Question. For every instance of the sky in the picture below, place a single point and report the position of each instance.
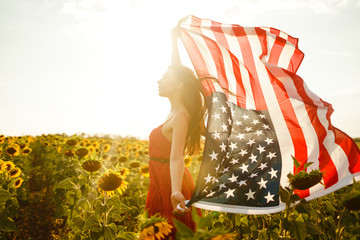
(92, 66)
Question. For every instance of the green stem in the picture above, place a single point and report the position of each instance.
(338, 227)
(105, 214)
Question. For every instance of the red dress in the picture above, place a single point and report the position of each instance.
(158, 198)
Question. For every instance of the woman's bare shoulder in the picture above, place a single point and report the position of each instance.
(181, 117)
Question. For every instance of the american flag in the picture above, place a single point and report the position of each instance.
(260, 114)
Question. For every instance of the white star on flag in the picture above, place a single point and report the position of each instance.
(250, 194)
(273, 173)
(244, 168)
(233, 178)
(213, 156)
(216, 135)
(262, 183)
(216, 115)
(271, 155)
(208, 178)
(230, 192)
(269, 197)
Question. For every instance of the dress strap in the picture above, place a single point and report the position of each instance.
(169, 119)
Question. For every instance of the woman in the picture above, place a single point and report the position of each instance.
(170, 181)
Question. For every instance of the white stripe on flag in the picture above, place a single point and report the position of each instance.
(282, 132)
(234, 48)
(205, 52)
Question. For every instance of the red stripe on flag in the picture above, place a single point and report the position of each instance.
(292, 123)
(350, 148)
(289, 38)
(288, 112)
(295, 61)
(326, 164)
(276, 50)
(240, 90)
(198, 62)
(248, 59)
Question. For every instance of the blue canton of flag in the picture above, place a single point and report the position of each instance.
(241, 161)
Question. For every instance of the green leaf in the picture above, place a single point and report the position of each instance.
(6, 223)
(4, 196)
(110, 231)
(61, 210)
(92, 223)
(284, 195)
(306, 165)
(263, 235)
(66, 184)
(245, 220)
(296, 163)
(78, 222)
(70, 196)
(126, 236)
(313, 229)
(84, 204)
(299, 228)
(202, 222)
(182, 230)
(294, 198)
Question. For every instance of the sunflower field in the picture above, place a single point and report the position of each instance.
(91, 187)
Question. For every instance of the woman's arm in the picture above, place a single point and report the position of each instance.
(175, 57)
(177, 165)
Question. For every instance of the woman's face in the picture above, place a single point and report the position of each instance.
(168, 84)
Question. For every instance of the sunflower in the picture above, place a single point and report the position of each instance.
(162, 229)
(106, 147)
(135, 164)
(22, 145)
(12, 150)
(69, 153)
(95, 145)
(122, 159)
(124, 172)
(118, 149)
(187, 161)
(147, 233)
(58, 149)
(71, 142)
(18, 182)
(157, 230)
(145, 171)
(2, 140)
(91, 165)
(91, 149)
(26, 150)
(82, 152)
(110, 182)
(7, 166)
(113, 158)
(15, 172)
(226, 236)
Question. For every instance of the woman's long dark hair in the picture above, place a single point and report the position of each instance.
(194, 101)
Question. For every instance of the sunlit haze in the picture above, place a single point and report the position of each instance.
(91, 66)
